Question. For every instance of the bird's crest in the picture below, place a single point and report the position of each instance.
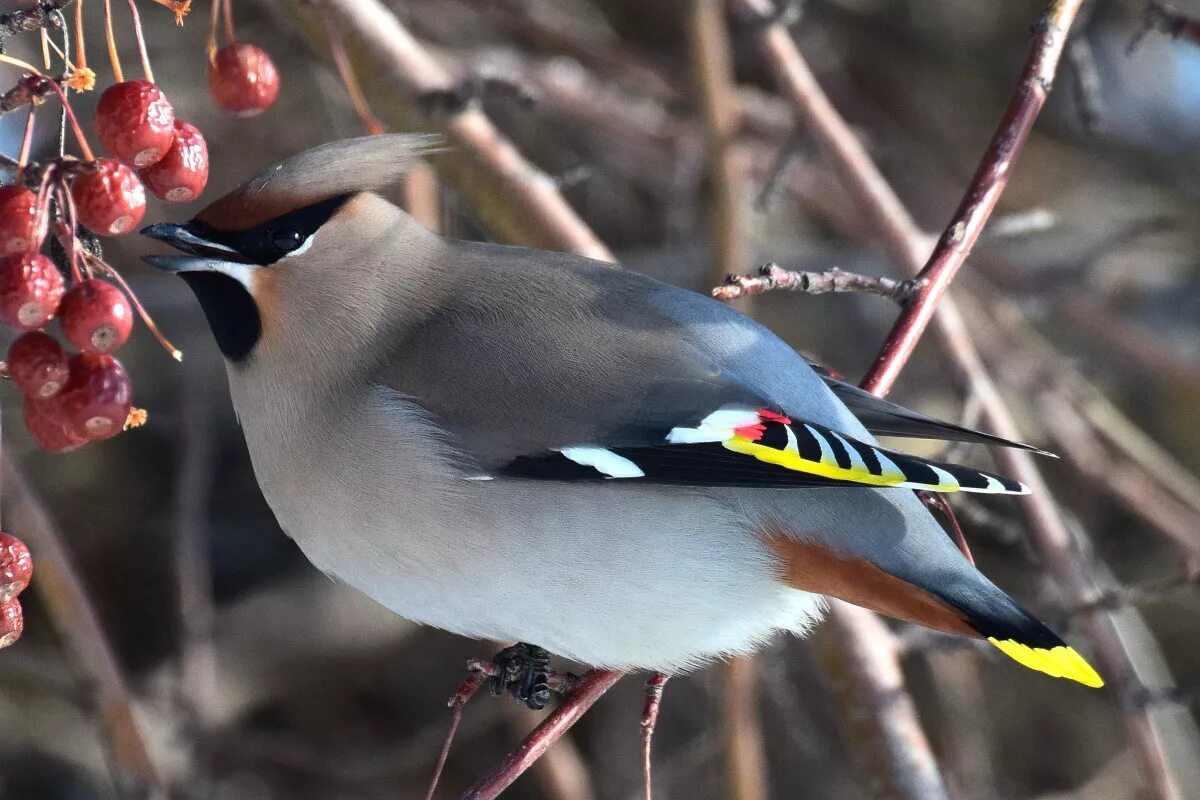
(365, 164)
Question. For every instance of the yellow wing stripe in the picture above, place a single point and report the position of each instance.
(1058, 662)
(790, 459)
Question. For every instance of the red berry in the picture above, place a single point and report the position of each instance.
(242, 79)
(37, 365)
(45, 423)
(19, 220)
(181, 174)
(135, 122)
(96, 316)
(96, 400)
(31, 288)
(12, 622)
(109, 198)
(16, 565)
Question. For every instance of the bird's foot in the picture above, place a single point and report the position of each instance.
(523, 671)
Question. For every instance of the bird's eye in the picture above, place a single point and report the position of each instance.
(286, 239)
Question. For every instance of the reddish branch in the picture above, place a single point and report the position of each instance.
(1050, 37)
(1164, 17)
(30, 89)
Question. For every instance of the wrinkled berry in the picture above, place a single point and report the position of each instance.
(109, 197)
(37, 365)
(12, 622)
(181, 174)
(45, 422)
(96, 316)
(96, 400)
(31, 288)
(242, 79)
(16, 566)
(19, 219)
(135, 122)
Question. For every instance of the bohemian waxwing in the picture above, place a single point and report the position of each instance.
(531, 446)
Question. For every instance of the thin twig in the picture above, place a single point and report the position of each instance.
(654, 695)
(61, 588)
(745, 759)
(589, 689)
(771, 276)
(1165, 18)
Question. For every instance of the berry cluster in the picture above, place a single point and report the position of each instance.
(16, 567)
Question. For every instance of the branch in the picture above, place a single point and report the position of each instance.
(589, 689)
(61, 587)
(518, 201)
(772, 276)
(905, 242)
(1165, 18)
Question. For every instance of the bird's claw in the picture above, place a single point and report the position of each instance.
(523, 670)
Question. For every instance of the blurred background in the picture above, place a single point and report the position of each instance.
(255, 677)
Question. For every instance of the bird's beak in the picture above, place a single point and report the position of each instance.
(204, 255)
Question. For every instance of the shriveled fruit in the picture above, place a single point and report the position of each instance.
(31, 288)
(37, 364)
(96, 316)
(242, 79)
(19, 219)
(12, 622)
(45, 422)
(16, 566)
(182, 173)
(109, 197)
(96, 400)
(135, 121)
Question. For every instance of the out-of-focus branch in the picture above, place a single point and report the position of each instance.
(905, 242)
(519, 202)
(61, 587)
(745, 761)
(1165, 18)
(772, 276)
(712, 65)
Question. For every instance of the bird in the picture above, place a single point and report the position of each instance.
(527, 446)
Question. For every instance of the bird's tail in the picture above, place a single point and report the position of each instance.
(1019, 635)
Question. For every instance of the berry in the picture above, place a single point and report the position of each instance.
(45, 423)
(109, 198)
(19, 220)
(12, 622)
(16, 565)
(96, 316)
(135, 122)
(181, 174)
(242, 79)
(37, 365)
(31, 288)
(96, 400)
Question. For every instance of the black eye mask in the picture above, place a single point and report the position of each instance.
(267, 243)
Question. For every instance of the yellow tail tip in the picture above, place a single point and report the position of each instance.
(1058, 662)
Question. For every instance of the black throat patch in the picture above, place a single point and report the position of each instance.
(231, 311)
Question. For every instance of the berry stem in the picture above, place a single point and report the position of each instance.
(26, 143)
(141, 42)
(80, 48)
(210, 44)
(66, 207)
(345, 70)
(45, 49)
(113, 56)
(83, 144)
(104, 268)
(227, 7)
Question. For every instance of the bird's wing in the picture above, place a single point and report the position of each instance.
(573, 371)
(890, 419)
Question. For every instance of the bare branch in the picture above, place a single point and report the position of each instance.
(772, 276)
(61, 587)
(515, 198)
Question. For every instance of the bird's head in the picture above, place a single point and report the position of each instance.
(300, 250)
